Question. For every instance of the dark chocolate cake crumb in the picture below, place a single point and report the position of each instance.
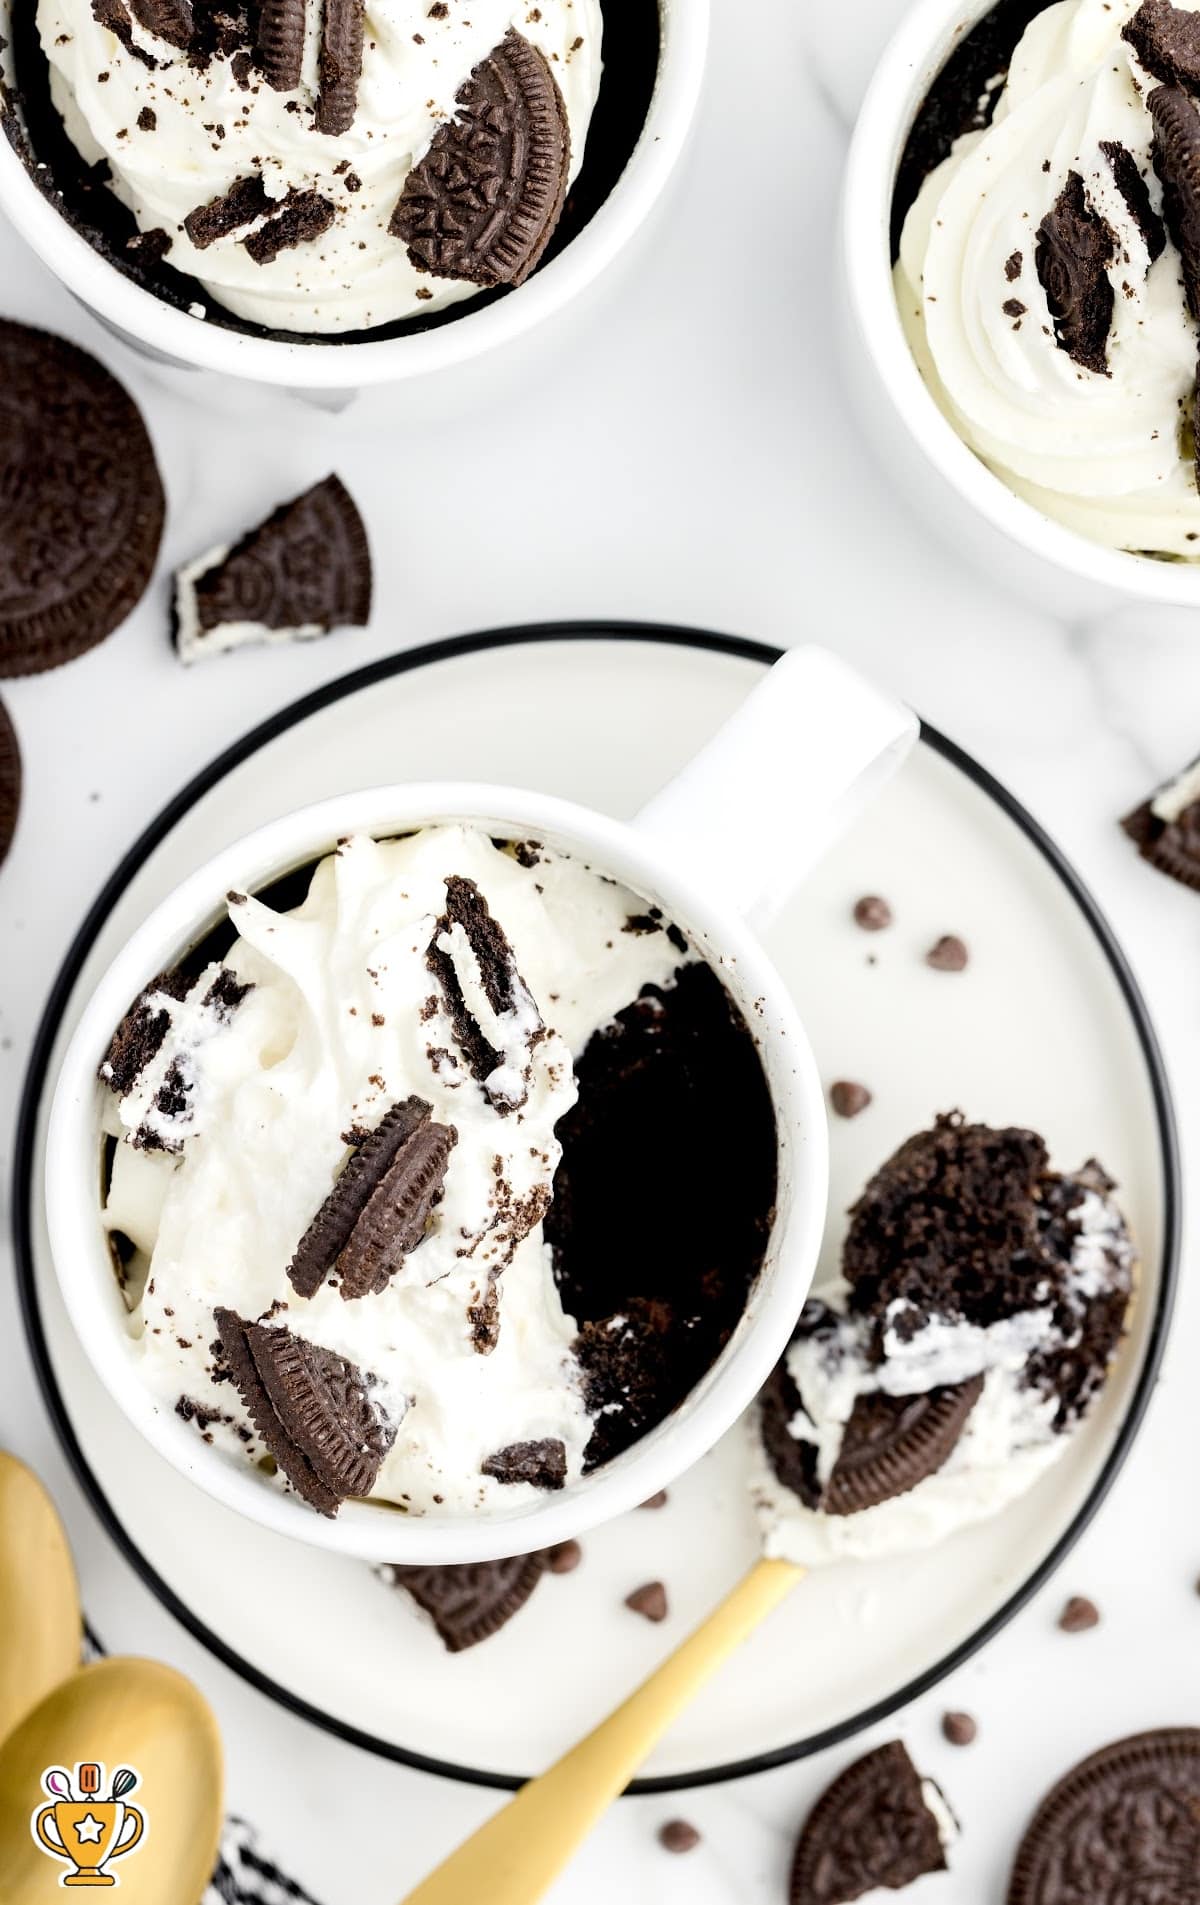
(540, 1464)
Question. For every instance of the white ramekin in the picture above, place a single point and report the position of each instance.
(158, 330)
(973, 508)
(727, 840)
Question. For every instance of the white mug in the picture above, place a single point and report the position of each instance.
(719, 850)
(322, 366)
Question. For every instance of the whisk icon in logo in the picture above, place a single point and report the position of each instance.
(84, 1830)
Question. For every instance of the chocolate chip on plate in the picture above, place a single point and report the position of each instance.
(678, 1835)
(656, 1501)
(960, 1729)
(649, 1601)
(872, 913)
(848, 1098)
(564, 1557)
(948, 954)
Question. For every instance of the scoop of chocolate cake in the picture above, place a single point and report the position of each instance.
(983, 1301)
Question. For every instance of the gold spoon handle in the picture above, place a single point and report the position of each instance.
(519, 1852)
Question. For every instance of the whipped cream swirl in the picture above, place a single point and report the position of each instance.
(177, 135)
(1102, 452)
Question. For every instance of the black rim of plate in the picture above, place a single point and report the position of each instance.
(64, 983)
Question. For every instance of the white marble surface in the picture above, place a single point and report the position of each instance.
(677, 447)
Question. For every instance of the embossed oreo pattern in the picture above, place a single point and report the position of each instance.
(1122, 1829)
(871, 1828)
(81, 497)
(484, 202)
(307, 566)
(471, 1602)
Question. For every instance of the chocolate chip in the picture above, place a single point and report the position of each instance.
(872, 913)
(678, 1836)
(960, 1729)
(1075, 246)
(564, 1557)
(1079, 1615)
(649, 1601)
(848, 1098)
(656, 1501)
(949, 954)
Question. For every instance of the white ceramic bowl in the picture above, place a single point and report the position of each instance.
(847, 739)
(160, 331)
(972, 507)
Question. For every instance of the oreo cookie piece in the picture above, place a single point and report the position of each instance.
(394, 1219)
(1136, 194)
(1166, 828)
(280, 43)
(1074, 248)
(1177, 161)
(139, 1038)
(483, 203)
(873, 1827)
(113, 15)
(1123, 1826)
(468, 928)
(10, 782)
(245, 201)
(316, 1412)
(302, 572)
(170, 20)
(341, 65)
(541, 1464)
(303, 218)
(1166, 40)
(330, 1231)
(83, 502)
(471, 1602)
(888, 1446)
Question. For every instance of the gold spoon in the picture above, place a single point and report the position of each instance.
(522, 1849)
(41, 1628)
(119, 1713)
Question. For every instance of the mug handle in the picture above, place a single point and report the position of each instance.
(42, 1831)
(757, 807)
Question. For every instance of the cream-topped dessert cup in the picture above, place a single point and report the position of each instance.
(719, 851)
(319, 363)
(1053, 564)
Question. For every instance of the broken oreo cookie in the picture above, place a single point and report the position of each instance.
(394, 1219)
(281, 43)
(1123, 1826)
(10, 782)
(331, 1229)
(483, 203)
(315, 1411)
(468, 931)
(1166, 40)
(470, 1602)
(341, 65)
(304, 571)
(873, 1827)
(1166, 828)
(1074, 248)
(83, 502)
(1177, 162)
(540, 1464)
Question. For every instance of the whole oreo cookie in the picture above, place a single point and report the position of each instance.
(1123, 1826)
(83, 502)
(10, 782)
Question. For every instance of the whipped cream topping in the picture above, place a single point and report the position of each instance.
(1010, 1438)
(342, 1019)
(1100, 453)
(176, 136)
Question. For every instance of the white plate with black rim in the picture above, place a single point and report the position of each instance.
(1045, 1027)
